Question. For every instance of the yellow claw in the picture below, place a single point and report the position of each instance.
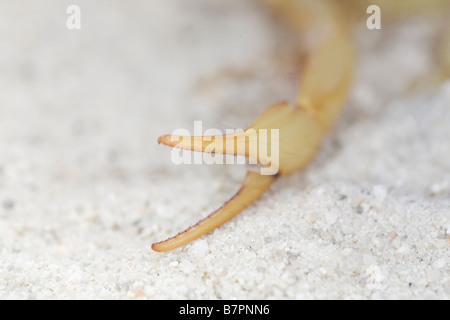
(299, 128)
(299, 137)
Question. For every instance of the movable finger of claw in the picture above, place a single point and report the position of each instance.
(252, 188)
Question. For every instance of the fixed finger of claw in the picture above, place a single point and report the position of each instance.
(235, 143)
(252, 188)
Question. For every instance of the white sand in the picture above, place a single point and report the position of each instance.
(85, 188)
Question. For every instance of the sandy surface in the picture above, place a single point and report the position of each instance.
(85, 188)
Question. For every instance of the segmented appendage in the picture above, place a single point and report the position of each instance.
(324, 86)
